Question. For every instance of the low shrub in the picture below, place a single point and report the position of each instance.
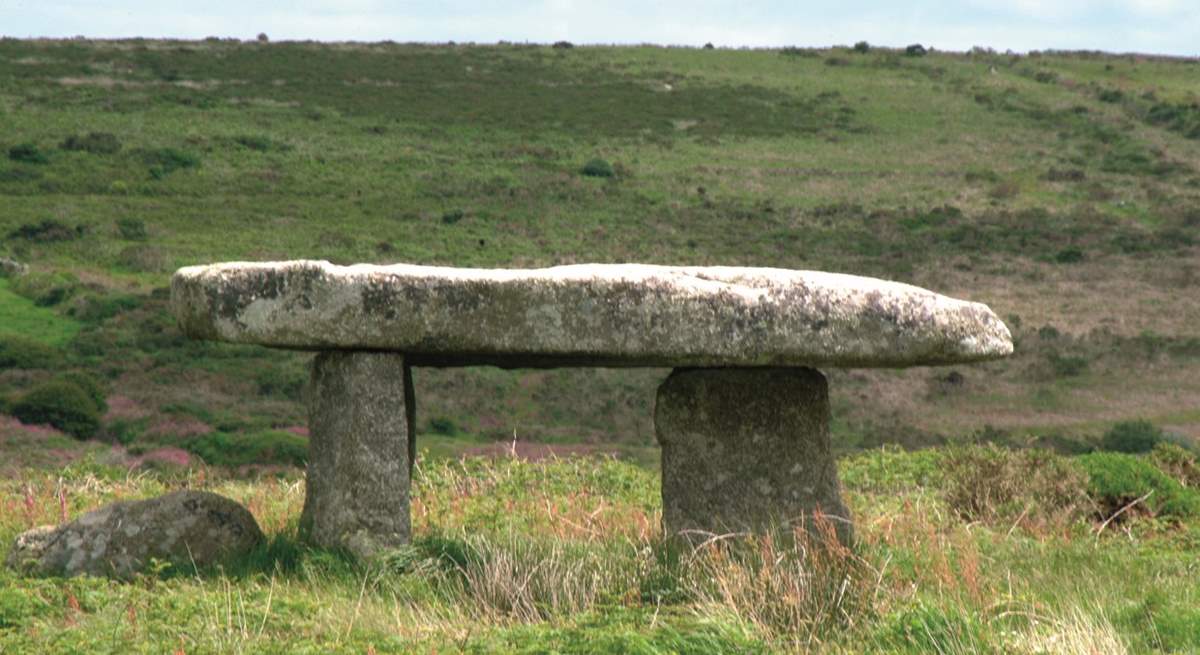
(96, 143)
(1132, 437)
(916, 50)
(1110, 95)
(563, 45)
(46, 231)
(1117, 479)
(453, 216)
(62, 404)
(837, 61)
(27, 153)
(444, 426)
(1177, 462)
(994, 484)
(793, 51)
(22, 352)
(132, 229)
(164, 161)
(862, 47)
(598, 168)
(241, 449)
(46, 289)
(91, 385)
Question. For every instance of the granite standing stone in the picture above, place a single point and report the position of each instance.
(186, 527)
(746, 449)
(360, 435)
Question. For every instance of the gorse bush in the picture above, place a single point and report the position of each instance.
(862, 47)
(90, 385)
(22, 352)
(598, 168)
(267, 447)
(96, 143)
(62, 404)
(46, 231)
(1177, 462)
(164, 161)
(1132, 437)
(1117, 479)
(27, 153)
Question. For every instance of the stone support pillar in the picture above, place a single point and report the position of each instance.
(746, 449)
(360, 435)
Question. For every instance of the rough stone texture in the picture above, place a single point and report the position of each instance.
(119, 539)
(746, 449)
(359, 457)
(601, 315)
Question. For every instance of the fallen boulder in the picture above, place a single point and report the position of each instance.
(119, 540)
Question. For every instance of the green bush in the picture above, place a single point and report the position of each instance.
(1110, 95)
(862, 47)
(1117, 479)
(267, 447)
(96, 143)
(46, 231)
(1131, 437)
(916, 50)
(598, 168)
(27, 153)
(1177, 462)
(22, 352)
(62, 404)
(443, 425)
(164, 161)
(91, 385)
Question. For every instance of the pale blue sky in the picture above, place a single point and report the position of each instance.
(1150, 26)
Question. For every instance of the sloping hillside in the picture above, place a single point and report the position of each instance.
(1062, 189)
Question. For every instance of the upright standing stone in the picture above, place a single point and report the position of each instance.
(358, 469)
(746, 449)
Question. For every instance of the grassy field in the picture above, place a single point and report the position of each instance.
(1063, 189)
(961, 550)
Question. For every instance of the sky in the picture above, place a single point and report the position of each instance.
(1145, 26)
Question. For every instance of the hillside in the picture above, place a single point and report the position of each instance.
(1062, 189)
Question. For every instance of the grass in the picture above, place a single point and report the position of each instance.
(566, 556)
(1025, 182)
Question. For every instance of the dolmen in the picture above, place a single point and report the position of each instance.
(743, 419)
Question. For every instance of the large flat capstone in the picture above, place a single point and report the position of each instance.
(587, 315)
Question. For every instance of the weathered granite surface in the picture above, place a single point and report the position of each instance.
(360, 452)
(746, 449)
(119, 539)
(596, 314)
